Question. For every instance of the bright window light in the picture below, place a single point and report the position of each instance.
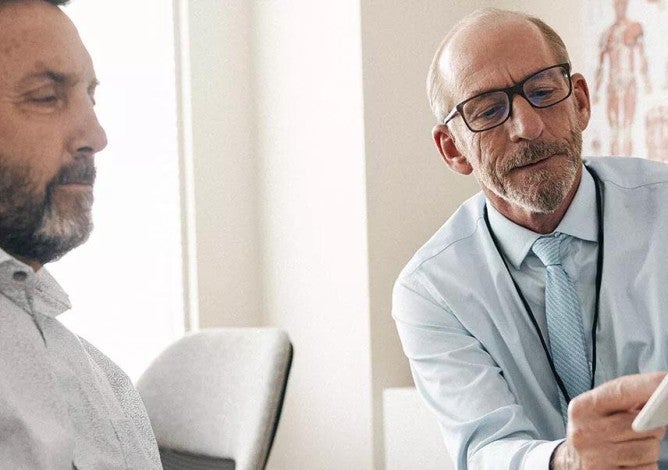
(125, 283)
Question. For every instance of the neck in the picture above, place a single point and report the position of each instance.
(35, 265)
(537, 222)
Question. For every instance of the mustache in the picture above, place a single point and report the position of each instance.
(81, 171)
(534, 152)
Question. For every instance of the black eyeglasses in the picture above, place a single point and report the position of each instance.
(543, 89)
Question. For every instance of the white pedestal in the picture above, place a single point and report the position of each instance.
(412, 436)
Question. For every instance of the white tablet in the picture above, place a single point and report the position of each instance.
(655, 412)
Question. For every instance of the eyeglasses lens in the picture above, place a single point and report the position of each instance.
(547, 88)
(543, 89)
(485, 111)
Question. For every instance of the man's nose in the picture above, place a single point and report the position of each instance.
(87, 135)
(525, 121)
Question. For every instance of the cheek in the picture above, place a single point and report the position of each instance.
(580, 119)
(36, 158)
(563, 125)
(488, 150)
(484, 149)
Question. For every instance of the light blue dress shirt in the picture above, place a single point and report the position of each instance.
(476, 357)
(579, 252)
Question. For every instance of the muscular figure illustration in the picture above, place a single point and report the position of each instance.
(622, 50)
(656, 133)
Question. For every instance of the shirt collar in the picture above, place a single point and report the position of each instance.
(580, 221)
(4, 257)
(49, 298)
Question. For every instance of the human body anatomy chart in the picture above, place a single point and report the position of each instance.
(629, 78)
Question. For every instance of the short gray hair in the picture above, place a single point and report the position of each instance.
(439, 101)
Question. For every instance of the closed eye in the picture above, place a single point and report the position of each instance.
(44, 99)
(540, 95)
(44, 95)
(490, 112)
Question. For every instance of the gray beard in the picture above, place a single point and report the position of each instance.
(543, 192)
(31, 225)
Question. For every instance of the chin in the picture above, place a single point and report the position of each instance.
(60, 233)
(544, 192)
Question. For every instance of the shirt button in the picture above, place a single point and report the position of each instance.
(20, 276)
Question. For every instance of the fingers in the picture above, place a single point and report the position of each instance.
(636, 453)
(599, 433)
(622, 422)
(591, 452)
(625, 393)
(611, 428)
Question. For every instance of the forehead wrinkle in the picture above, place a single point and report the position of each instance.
(40, 32)
(468, 67)
(461, 90)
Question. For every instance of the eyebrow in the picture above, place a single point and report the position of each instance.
(492, 90)
(55, 77)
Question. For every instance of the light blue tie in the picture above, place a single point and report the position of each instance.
(564, 318)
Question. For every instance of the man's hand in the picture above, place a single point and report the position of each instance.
(599, 434)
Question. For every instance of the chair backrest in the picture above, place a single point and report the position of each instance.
(217, 394)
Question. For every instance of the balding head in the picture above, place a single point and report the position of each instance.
(461, 39)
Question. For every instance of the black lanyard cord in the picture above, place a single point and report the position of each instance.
(599, 277)
(599, 269)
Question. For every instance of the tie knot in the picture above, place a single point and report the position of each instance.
(547, 249)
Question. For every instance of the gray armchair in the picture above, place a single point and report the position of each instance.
(214, 397)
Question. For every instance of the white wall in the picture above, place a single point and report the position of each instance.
(311, 148)
(225, 163)
(316, 180)
(281, 215)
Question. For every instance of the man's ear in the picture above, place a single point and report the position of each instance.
(582, 101)
(445, 143)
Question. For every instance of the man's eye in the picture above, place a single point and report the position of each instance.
(490, 112)
(48, 99)
(537, 96)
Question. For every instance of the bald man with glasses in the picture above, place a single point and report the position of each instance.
(535, 319)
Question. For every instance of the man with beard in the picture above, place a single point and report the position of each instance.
(63, 404)
(534, 319)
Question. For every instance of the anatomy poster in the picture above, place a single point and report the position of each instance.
(627, 71)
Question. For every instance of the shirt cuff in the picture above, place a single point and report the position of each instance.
(539, 457)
